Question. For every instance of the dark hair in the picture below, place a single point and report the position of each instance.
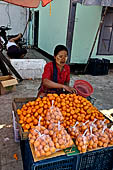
(59, 48)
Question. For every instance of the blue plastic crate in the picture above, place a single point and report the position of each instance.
(57, 163)
(101, 159)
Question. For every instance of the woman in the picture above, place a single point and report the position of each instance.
(56, 74)
(13, 50)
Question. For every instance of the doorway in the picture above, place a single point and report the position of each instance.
(70, 28)
(36, 28)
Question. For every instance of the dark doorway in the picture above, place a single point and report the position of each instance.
(36, 28)
(70, 28)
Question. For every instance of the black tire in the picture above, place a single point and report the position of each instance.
(1, 47)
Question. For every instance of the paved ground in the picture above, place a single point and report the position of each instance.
(103, 91)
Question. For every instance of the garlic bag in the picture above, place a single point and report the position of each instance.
(103, 138)
(54, 115)
(36, 131)
(93, 140)
(60, 137)
(44, 146)
(74, 131)
(109, 132)
(82, 142)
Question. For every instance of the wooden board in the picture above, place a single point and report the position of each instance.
(108, 114)
(7, 62)
(3, 68)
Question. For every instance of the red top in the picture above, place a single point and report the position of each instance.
(62, 76)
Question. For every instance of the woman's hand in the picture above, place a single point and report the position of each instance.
(69, 89)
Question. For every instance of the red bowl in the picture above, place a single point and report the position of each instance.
(83, 88)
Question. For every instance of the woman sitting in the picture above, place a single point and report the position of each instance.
(56, 76)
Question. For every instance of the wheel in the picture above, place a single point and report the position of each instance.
(1, 47)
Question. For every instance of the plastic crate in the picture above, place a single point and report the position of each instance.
(57, 163)
(98, 67)
(101, 159)
(106, 64)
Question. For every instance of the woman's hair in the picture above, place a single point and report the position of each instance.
(59, 48)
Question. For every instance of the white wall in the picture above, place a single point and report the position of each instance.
(14, 17)
(53, 29)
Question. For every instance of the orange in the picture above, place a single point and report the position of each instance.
(25, 118)
(28, 111)
(45, 106)
(58, 105)
(55, 95)
(28, 115)
(64, 108)
(21, 117)
(24, 113)
(19, 112)
(68, 114)
(32, 103)
(74, 116)
(44, 98)
(40, 110)
(63, 113)
(27, 126)
(37, 107)
(72, 112)
(27, 104)
(36, 114)
(68, 110)
(67, 102)
(38, 99)
(29, 119)
(35, 121)
(21, 121)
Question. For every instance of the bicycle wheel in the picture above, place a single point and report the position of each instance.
(1, 47)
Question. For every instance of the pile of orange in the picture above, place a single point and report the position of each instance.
(73, 108)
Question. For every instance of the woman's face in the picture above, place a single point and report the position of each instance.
(61, 58)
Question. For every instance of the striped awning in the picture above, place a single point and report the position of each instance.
(96, 2)
(24, 3)
(28, 3)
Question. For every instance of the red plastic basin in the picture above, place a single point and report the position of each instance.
(83, 88)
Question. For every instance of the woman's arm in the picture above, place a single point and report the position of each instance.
(50, 84)
(16, 38)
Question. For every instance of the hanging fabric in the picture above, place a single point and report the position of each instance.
(96, 2)
(25, 3)
(45, 2)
